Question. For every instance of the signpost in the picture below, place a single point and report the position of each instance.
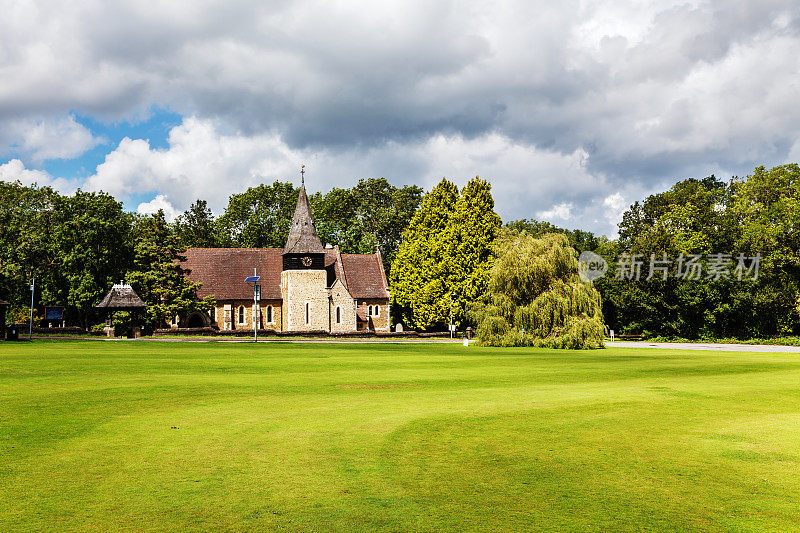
(30, 328)
(256, 298)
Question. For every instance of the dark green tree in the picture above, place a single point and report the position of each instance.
(690, 218)
(579, 239)
(372, 214)
(337, 216)
(766, 209)
(258, 217)
(196, 227)
(89, 235)
(25, 244)
(158, 276)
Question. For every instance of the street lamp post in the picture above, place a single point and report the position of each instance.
(30, 326)
(452, 327)
(256, 297)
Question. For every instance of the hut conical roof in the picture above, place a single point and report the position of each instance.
(303, 238)
(122, 297)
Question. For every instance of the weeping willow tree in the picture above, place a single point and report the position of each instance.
(536, 297)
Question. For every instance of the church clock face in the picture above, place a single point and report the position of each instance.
(306, 261)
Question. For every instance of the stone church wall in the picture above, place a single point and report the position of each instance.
(380, 321)
(341, 298)
(301, 287)
(226, 315)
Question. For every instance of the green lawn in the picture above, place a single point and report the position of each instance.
(164, 435)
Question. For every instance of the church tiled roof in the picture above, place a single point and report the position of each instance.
(222, 272)
(364, 273)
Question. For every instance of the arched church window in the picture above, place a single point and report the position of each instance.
(269, 314)
(338, 315)
(241, 315)
(307, 315)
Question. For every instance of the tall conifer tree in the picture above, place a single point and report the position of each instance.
(472, 232)
(424, 262)
(446, 251)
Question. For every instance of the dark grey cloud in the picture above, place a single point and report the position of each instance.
(624, 96)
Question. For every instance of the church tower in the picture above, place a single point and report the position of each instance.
(304, 279)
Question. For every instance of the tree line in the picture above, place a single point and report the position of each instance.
(77, 246)
(716, 223)
(446, 253)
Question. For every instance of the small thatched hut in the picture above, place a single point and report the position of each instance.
(121, 297)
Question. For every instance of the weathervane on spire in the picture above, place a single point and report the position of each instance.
(303, 176)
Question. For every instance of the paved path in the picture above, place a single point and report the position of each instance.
(718, 347)
(333, 340)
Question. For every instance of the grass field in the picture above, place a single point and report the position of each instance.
(197, 436)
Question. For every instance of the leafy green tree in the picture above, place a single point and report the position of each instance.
(258, 217)
(373, 213)
(25, 249)
(196, 227)
(89, 235)
(536, 297)
(579, 239)
(766, 208)
(157, 275)
(691, 218)
(385, 211)
(337, 216)
(75, 246)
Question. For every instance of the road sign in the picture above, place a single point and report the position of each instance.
(252, 279)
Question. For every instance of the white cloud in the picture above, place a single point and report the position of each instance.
(160, 202)
(560, 212)
(15, 170)
(616, 205)
(47, 138)
(648, 88)
(201, 162)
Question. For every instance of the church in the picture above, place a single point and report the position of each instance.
(304, 286)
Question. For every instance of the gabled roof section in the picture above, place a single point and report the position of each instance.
(364, 275)
(222, 271)
(122, 297)
(303, 238)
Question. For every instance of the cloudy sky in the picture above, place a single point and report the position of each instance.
(572, 109)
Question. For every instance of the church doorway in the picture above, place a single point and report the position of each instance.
(197, 320)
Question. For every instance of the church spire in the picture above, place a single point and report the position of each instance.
(303, 238)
